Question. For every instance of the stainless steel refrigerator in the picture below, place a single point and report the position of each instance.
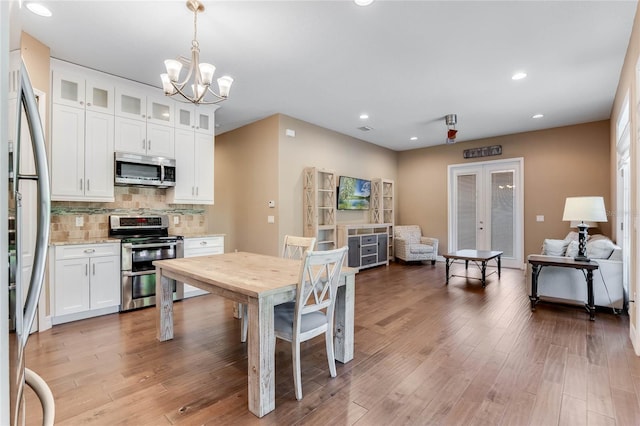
(24, 292)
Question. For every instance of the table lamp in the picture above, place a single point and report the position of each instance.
(581, 210)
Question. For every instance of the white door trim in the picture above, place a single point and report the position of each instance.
(453, 169)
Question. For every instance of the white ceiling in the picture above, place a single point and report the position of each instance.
(405, 63)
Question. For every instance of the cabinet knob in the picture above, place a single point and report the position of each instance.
(81, 103)
(88, 103)
(90, 250)
(203, 243)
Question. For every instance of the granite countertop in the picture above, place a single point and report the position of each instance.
(201, 235)
(102, 240)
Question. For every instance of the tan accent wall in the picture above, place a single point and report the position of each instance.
(36, 57)
(246, 177)
(322, 148)
(560, 162)
(628, 83)
(258, 163)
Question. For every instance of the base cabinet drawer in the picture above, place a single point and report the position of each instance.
(201, 246)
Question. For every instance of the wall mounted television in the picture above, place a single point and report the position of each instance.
(353, 193)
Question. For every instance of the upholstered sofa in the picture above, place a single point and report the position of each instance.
(410, 245)
(568, 285)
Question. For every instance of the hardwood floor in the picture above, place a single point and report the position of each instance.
(425, 353)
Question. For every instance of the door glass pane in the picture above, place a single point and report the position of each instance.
(69, 90)
(185, 117)
(502, 211)
(160, 111)
(100, 97)
(130, 105)
(466, 214)
(204, 121)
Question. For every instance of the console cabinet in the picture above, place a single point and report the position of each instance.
(86, 281)
(368, 244)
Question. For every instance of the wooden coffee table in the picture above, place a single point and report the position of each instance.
(482, 256)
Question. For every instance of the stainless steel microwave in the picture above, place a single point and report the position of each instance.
(134, 169)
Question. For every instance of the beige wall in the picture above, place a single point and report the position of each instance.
(325, 149)
(560, 162)
(628, 84)
(268, 165)
(246, 177)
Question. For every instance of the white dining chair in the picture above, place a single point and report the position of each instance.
(313, 311)
(293, 248)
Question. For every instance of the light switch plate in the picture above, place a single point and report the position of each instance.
(79, 221)
(540, 218)
(176, 220)
(271, 219)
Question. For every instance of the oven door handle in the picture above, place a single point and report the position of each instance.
(137, 274)
(150, 245)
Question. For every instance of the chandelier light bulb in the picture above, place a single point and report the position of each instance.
(173, 69)
(166, 85)
(206, 72)
(224, 84)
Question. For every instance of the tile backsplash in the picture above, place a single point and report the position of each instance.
(129, 200)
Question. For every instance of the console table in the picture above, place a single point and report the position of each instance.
(482, 256)
(539, 261)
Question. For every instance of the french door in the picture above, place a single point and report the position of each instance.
(486, 208)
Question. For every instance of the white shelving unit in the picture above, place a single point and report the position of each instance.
(319, 207)
(382, 205)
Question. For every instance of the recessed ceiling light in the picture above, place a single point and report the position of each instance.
(39, 9)
(413, 138)
(363, 2)
(364, 116)
(519, 75)
(537, 116)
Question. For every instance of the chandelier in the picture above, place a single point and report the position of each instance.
(197, 84)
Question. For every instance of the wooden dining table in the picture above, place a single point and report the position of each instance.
(262, 282)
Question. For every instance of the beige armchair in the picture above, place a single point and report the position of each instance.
(410, 245)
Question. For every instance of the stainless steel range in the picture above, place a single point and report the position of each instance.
(144, 239)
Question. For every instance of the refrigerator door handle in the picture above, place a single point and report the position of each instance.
(44, 201)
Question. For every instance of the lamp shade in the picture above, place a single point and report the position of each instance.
(584, 209)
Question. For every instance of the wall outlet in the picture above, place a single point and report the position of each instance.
(271, 204)
(176, 220)
(79, 221)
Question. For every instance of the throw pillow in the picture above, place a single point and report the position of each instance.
(600, 249)
(572, 236)
(554, 247)
(572, 249)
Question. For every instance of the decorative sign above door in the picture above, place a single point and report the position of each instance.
(485, 151)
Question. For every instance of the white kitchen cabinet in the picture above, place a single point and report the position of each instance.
(82, 134)
(86, 281)
(139, 137)
(81, 155)
(201, 246)
(197, 118)
(81, 88)
(144, 122)
(194, 168)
